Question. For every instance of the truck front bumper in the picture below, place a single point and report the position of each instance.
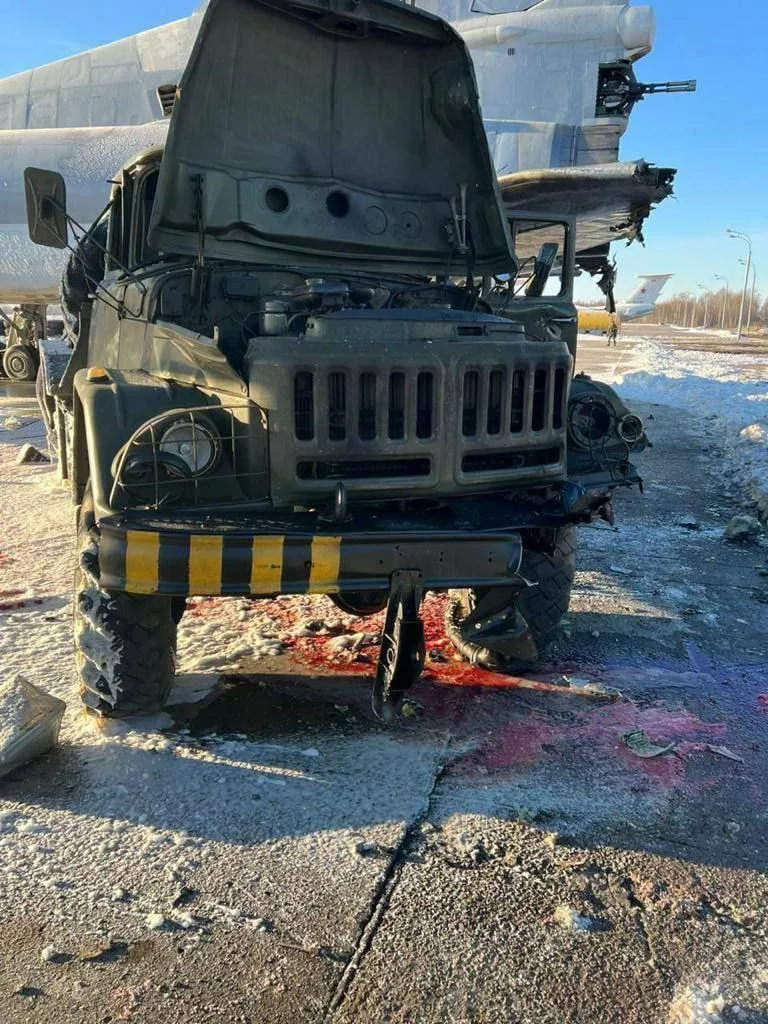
(244, 557)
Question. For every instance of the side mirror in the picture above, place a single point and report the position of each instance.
(46, 196)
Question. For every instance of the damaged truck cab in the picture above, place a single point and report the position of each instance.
(317, 357)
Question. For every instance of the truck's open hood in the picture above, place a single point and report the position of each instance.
(328, 132)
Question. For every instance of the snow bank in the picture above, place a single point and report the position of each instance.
(731, 390)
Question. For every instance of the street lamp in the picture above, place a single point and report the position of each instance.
(751, 294)
(748, 240)
(720, 277)
(706, 304)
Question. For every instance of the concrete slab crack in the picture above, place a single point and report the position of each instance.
(638, 912)
(384, 891)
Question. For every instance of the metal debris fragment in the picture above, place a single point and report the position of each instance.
(637, 741)
(28, 453)
(592, 687)
(725, 752)
(29, 723)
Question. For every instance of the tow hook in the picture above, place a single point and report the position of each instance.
(402, 653)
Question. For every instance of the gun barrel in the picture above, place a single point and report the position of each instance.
(652, 87)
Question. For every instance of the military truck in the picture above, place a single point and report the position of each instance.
(315, 356)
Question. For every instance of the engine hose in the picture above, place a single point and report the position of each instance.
(455, 613)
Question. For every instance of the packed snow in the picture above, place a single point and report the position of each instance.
(716, 387)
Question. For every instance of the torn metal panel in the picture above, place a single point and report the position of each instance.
(609, 201)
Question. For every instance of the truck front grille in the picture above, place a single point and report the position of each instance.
(484, 410)
(428, 417)
(324, 405)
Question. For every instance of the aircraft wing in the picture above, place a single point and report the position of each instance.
(609, 201)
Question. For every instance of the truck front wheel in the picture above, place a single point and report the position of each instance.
(513, 628)
(125, 644)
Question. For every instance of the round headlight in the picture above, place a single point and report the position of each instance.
(590, 421)
(193, 440)
(631, 428)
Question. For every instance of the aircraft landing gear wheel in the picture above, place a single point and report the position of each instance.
(20, 362)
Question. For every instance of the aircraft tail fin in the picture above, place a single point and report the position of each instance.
(647, 291)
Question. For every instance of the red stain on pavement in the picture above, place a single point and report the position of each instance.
(596, 737)
(517, 744)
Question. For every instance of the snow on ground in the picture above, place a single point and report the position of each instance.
(145, 829)
(722, 387)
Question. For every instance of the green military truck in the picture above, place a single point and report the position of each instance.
(317, 357)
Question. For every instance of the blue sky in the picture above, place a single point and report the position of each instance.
(717, 137)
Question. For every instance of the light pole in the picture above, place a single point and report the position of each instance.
(748, 240)
(720, 277)
(751, 294)
(706, 304)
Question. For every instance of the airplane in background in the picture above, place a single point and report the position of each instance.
(641, 302)
(556, 80)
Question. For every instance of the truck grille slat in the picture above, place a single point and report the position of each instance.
(539, 408)
(366, 416)
(304, 406)
(470, 403)
(396, 427)
(337, 406)
(558, 411)
(517, 407)
(495, 401)
(425, 389)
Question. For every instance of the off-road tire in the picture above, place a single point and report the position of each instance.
(125, 644)
(530, 617)
(20, 362)
(544, 605)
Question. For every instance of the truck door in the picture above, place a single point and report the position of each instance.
(541, 296)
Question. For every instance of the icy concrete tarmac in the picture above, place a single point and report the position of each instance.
(267, 852)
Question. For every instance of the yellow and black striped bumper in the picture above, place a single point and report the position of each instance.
(178, 563)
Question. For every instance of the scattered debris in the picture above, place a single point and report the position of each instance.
(725, 752)
(104, 954)
(182, 896)
(353, 642)
(29, 723)
(567, 918)
(689, 523)
(637, 741)
(743, 530)
(363, 848)
(411, 709)
(29, 992)
(29, 454)
(156, 922)
(51, 955)
(591, 686)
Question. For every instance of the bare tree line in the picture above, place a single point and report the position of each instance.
(708, 309)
